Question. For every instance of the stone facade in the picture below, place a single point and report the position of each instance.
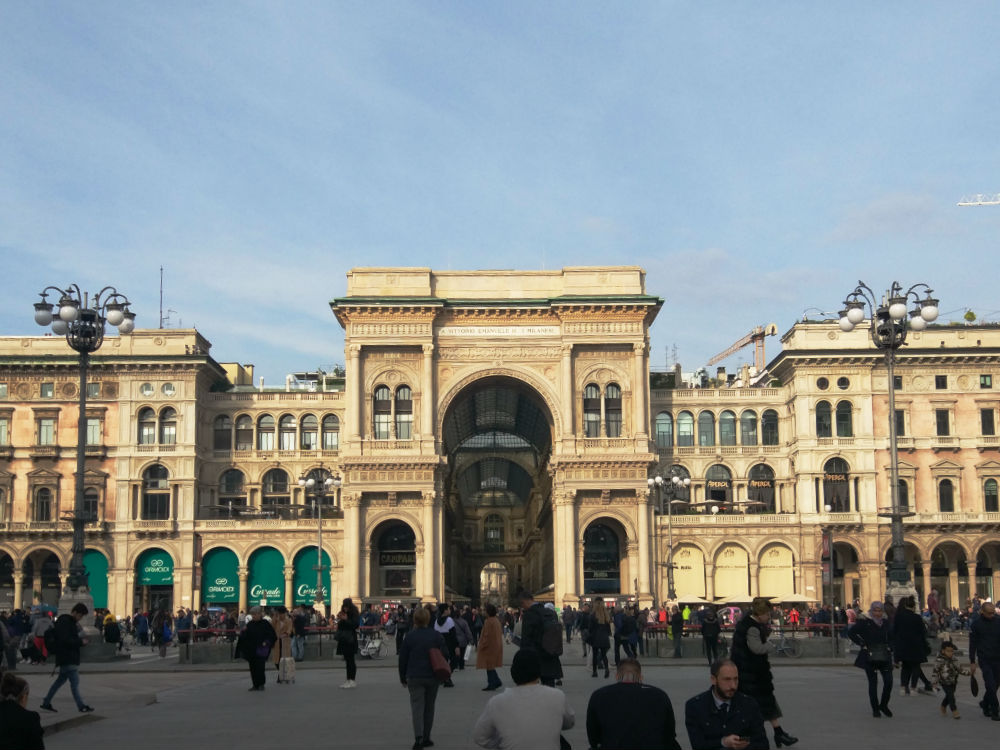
(496, 430)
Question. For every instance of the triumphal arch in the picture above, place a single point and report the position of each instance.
(496, 433)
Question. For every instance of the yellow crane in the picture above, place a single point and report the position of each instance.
(756, 336)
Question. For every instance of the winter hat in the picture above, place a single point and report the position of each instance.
(526, 667)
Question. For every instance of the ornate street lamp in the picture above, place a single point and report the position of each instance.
(81, 318)
(673, 488)
(319, 491)
(890, 322)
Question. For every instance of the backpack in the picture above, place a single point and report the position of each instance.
(51, 642)
(552, 633)
(112, 633)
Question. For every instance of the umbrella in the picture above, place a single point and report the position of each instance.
(792, 599)
(692, 599)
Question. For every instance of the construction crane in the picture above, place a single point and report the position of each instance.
(981, 199)
(757, 337)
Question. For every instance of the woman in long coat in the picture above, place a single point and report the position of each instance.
(750, 649)
(489, 652)
(348, 622)
(284, 630)
(255, 644)
(909, 645)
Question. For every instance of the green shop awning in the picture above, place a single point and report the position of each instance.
(96, 566)
(304, 577)
(220, 580)
(154, 568)
(266, 578)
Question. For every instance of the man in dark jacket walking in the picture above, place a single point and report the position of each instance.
(984, 643)
(533, 622)
(67, 649)
(677, 630)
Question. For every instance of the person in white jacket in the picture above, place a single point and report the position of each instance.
(529, 716)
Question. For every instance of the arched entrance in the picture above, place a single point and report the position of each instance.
(41, 571)
(497, 434)
(394, 565)
(494, 585)
(220, 580)
(603, 546)
(846, 576)
(266, 578)
(154, 580)
(7, 583)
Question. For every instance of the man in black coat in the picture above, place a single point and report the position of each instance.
(68, 644)
(629, 715)
(723, 716)
(984, 644)
(533, 619)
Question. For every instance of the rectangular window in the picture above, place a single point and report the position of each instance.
(591, 425)
(614, 423)
(985, 381)
(941, 382)
(4, 431)
(3, 390)
(308, 440)
(897, 382)
(93, 390)
(382, 423)
(265, 441)
(986, 416)
(94, 431)
(331, 440)
(404, 426)
(900, 423)
(943, 429)
(47, 390)
(46, 431)
(286, 440)
(155, 507)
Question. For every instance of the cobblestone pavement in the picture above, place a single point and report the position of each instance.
(163, 705)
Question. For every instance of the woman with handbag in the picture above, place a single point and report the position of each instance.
(417, 675)
(909, 646)
(871, 632)
(348, 622)
(599, 629)
(255, 646)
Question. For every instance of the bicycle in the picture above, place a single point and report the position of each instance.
(786, 646)
(372, 645)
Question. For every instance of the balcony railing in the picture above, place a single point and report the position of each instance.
(729, 519)
(279, 396)
(606, 443)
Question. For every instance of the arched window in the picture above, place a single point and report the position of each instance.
(719, 486)
(91, 499)
(331, 432)
(274, 490)
(769, 427)
(222, 433)
(760, 489)
(168, 426)
(493, 533)
(265, 433)
(685, 429)
(727, 428)
(946, 496)
(308, 432)
(706, 428)
(990, 496)
(397, 560)
(824, 423)
(404, 413)
(592, 411)
(664, 430)
(836, 486)
(748, 427)
(903, 492)
(147, 426)
(155, 494)
(43, 504)
(601, 560)
(232, 492)
(244, 433)
(845, 420)
(382, 412)
(286, 432)
(613, 410)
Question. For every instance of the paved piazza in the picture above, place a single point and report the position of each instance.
(825, 706)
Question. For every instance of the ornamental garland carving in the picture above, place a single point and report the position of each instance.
(390, 329)
(603, 327)
(394, 475)
(500, 353)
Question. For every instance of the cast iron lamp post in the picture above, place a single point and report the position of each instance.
(890, 322)
(81, 318)
(319, 492)
(670, 488)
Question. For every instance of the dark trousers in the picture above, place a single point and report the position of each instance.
(949, 696)
(872, 673)
(600, 658)
(629, 649)
(618, 649)
(423, 693)
(569, 633)
(678, 635)
(711, 649)
(910, 674)
(991, 676)
(492, 679)
(257, 674)
(400, 635)
(352, 666)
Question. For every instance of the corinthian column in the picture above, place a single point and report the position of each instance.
(352, 414)
(641, 383)
(427, 396)
(566, 386)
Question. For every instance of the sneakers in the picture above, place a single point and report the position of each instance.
(944, 710)
(349, 684)
(85, 709)
(955, 714)
(925, 691)
(47, 707)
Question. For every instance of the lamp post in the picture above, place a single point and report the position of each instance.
(671, 488)
(319, 491)
(81, 319)
(890, 322)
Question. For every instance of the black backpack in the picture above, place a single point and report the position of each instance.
(51, 642)
(552, 633)
(112, 633)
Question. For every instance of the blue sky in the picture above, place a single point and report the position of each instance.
(757, 159)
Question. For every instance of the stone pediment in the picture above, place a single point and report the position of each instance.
(44, 474)
(946, 465)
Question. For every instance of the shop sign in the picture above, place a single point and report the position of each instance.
(397, 558)
(220, 587)
(157, 569)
